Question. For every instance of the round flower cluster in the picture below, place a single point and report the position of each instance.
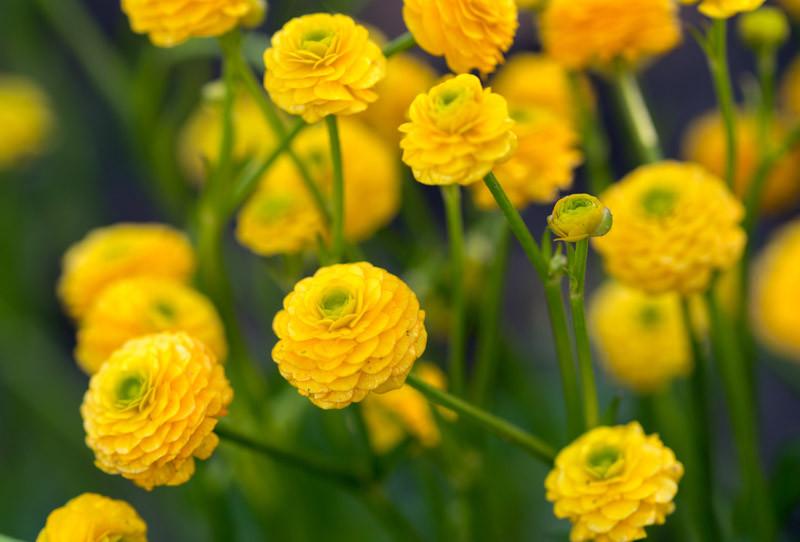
(321, 64)
(346, 331)
(94, 518)
(152, 408)
(675, 224)
(470, 34)
(723, 9)
(25, 117)
(612, 482)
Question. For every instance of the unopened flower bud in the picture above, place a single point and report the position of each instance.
(767, 28)
(257, 14)
(579, 216)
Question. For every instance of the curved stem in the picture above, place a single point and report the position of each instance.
(402, 43)
(637, 116)
(577, 282)
(337, 196)
(717, 52)
(455, 229)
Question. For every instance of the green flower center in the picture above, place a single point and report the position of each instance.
(447, 98)
(659, 202)
(165, 310)
(273, 208)
(131, 389)
(317, 41)
(317, 35)
(649, 315)
(336, 303)
(604, 461)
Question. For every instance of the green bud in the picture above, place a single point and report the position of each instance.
(766, 28)
(579, 216)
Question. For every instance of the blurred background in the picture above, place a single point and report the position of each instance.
(112, 158)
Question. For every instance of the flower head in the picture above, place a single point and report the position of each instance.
(121, 251)
(612, 482)
(321, 64)
(457, 133)
(348, 330)
(171, 22)
(675, 224)
(94, 518)
(139, 306)
(587, 33)
(152, 408)
(724, 9)
(765, 29)
(579, 216)
(469, 34)
(25, 117)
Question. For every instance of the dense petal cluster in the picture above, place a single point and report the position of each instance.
(675, 224)
(586, 33)
(723, 9)
(140, 306)
(469, 34)
(641, 338)
(25, 117)
(579, 216)
(171, 22)
(321, 64)
(776, 289)
(346, 331)
(612, 482)
(457, 133)
(94, 518)
(121, 251)
(152, 408)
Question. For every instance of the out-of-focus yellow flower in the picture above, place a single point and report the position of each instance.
(121, 251)
(543, 163)
(198, 145)
(405, 411)
(790, 89)
(94, 518)
(406, 77)
(171, 22)
(674, 225)
(469, 34)
(152, 408)
(612, 482)
(579, 216)
(321, 64)
(705, 144)
(457, 133)
(776, 289)
(139, 306)
(792, 7)
(764, 29)
(530, 4)
(724, 9)
(586, 33)
(25, 117)
(641, 338)
(349, 330)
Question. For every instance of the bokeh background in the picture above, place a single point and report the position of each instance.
(112, 159)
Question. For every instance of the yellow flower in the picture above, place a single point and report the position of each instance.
(469, 34)
(25, 117)
(152, 408)
(674, 225)
(94, 518)
(792, 7)
(579, 216)
(790, 89)
(321, 64)
(723, 9)
(764, 29)
(543, 163)
(457, 133)
(705, 144)
(391, 416)
(776, 289)
(121, 251)
(348, 330)
(139, 306)
(641, 338)
(586, 33)
(171, 22)
(612, 482)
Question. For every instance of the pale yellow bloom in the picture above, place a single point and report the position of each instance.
(25, 120)
(724, 9)
(94, 518)
(469, 34)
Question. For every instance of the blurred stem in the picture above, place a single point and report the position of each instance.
(577, 256)
(359, 427)
(455, 230)
(636, 114)
(402, 43)
(503, 429)
(399, 528)
(595, 145)
(716, 48)
(766, 66)
(337, 196)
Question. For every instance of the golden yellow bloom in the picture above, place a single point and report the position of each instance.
(321, 64)
(171, 22)
(393, 415)
(579, 216)
(790, 89)
(641, 338)
(547, 152)
(674, 225)
(705, 144)
(94, 518)
(152, 408)
(121, 251)
(457, 133)
(586, 33)
(792, 7)
(612, 482)
(776, 289)
(139, 306)
(348, 330)
(723, 9)
(469, 34)
(25, 117)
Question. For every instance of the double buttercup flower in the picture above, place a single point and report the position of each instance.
(94, 518)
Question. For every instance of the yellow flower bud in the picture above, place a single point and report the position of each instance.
(579, 216)
(724, 9)
(766, 28)
(94, 518)
(26, 120)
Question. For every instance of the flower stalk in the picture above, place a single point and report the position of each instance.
(637, 115)
(400, 44)
(716, 47)
(457, 343)
(337, 195)
(595, 145)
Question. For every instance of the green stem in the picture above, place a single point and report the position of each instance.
(398, 526)
(595, 145)
(455, 229)
(402, 43)
(717, 52)
(637, 116)
(337, 225)
(577, 258)
(503, 429)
